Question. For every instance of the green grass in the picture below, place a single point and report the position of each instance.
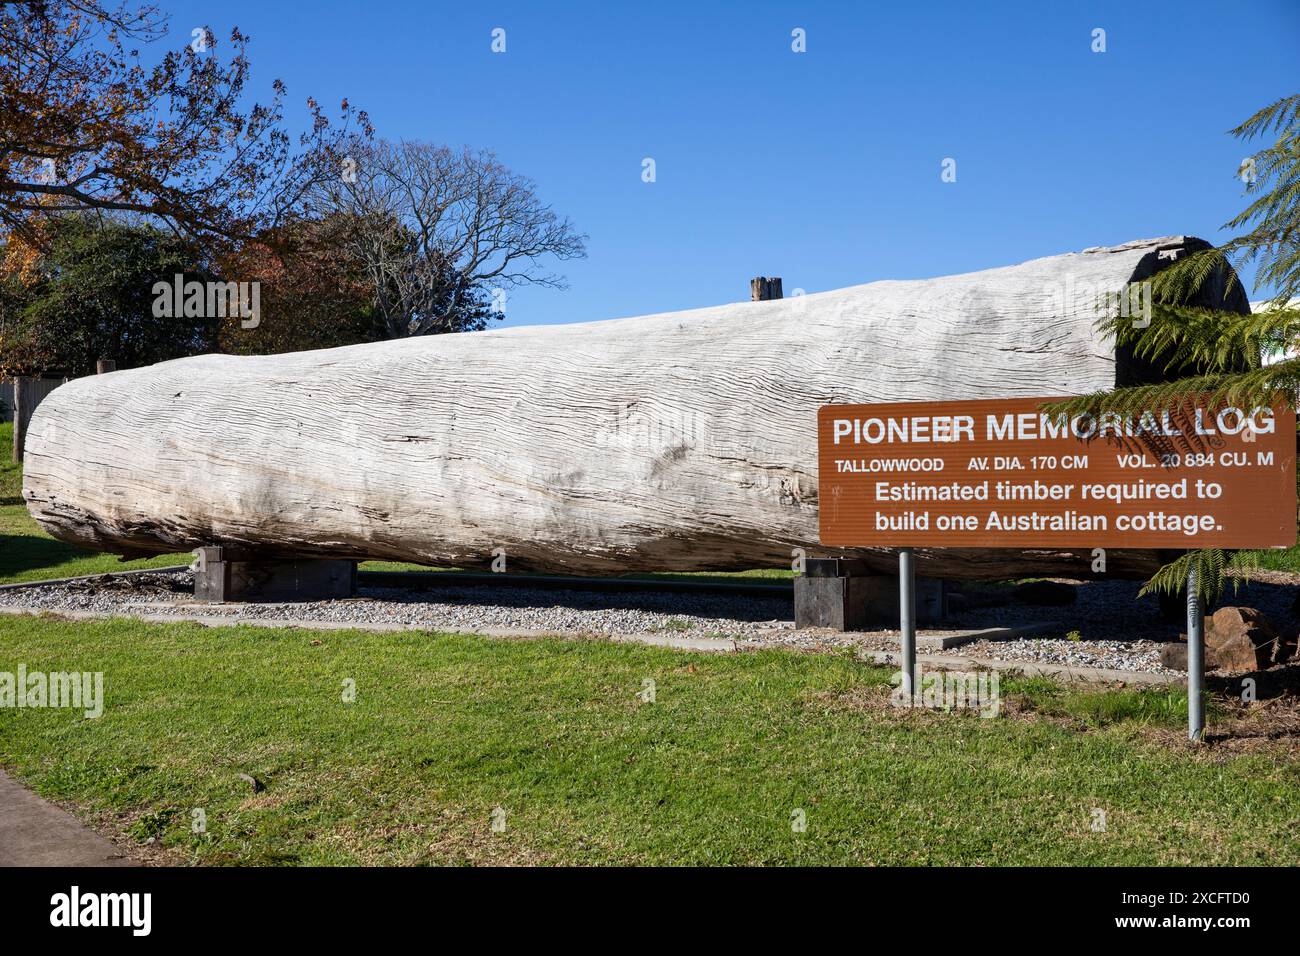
(1141, 706)
(1280, 559)
(751, 576)
(445, 728)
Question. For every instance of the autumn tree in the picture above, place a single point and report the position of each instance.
(312, 294)
(86, 123)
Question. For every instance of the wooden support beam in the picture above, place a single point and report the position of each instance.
(224, 574)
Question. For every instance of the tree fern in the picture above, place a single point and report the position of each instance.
(1222, 354)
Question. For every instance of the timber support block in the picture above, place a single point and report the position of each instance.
(223, 574)
(844, 595)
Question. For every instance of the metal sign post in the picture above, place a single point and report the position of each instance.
(1195, 659)
(907, 620)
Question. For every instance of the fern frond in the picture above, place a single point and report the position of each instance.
(1280, 115)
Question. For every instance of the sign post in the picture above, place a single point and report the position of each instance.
(907, 620)
(1005, 473)
(1195, 658)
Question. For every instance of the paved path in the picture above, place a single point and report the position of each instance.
(34, 832)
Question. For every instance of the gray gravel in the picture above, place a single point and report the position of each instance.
(456, 608)
(1114, 655)
(1113, 628)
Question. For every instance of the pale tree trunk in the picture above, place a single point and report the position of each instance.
(681, 441)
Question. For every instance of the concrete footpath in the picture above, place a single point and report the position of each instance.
(34, 832)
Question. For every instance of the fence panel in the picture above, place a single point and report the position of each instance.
(35, 391)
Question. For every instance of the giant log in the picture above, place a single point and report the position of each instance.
(680, 441)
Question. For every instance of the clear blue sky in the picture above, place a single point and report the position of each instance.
(821, 167)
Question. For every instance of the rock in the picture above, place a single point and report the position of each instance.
(1227, 618)
(1045, 594)
(1242, 639)
(1234, 656)
(1174, 656)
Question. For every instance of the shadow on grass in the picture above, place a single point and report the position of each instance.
(27, 552)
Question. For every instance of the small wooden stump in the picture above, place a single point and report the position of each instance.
(762, 288)
(843, 594)
(224, 574)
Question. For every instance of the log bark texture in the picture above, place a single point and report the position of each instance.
(681, 441)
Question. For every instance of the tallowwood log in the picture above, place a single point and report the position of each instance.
(675, 442)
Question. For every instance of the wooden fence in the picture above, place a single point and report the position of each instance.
(34, 391)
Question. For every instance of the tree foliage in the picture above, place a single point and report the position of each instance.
(313, 295)
(91, 297)
(1243, 360)
(86, 123)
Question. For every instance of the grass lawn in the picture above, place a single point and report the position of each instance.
(445, 728)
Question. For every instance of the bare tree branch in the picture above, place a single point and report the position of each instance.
(436, 229)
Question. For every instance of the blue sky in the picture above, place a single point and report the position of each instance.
(821, 167)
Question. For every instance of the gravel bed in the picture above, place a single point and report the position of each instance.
(1107, 627)
(1114, 655)
(449, 607)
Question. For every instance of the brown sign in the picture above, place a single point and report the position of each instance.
(1004, 473)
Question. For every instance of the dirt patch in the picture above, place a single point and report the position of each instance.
(1265, 576)
(1269, 724)
(120, 827)
(1264, 726)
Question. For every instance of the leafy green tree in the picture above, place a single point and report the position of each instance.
(1244, 360)
(91, 297)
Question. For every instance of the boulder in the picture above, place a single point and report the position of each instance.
(1234, 656)
(1237, 639)
(1174, 656)
(1242, 639)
